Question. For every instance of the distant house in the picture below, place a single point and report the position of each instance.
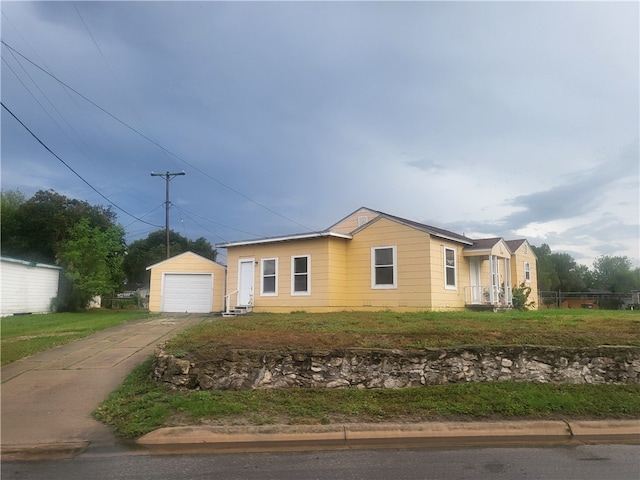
(371, 260)
(186, 283)
(27, 287)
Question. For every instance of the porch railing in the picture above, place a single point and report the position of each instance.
(489, 295)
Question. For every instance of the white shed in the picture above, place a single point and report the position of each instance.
(27, 287)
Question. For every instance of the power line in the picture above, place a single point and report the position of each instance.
(154, 142)
(70, 168)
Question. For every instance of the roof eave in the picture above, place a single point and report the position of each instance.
(285, 238)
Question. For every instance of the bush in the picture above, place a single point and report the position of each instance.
(521, 297)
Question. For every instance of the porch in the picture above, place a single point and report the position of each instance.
(490, 283)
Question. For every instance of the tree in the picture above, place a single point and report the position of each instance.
(614, 274)
(36, 227)
(145, 252)
(571, 277)
(547, 277)
(11, 201)
(92, 261)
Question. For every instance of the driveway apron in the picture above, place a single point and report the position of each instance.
(47, 399)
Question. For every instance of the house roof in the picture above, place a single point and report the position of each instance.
(431, 230)
(284, 238)
(485, 243)
(471, 244)
(182, 255)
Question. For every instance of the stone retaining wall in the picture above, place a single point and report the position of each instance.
(374, 368)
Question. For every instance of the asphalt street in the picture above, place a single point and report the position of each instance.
(582, 462)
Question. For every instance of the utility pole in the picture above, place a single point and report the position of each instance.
(167, 177)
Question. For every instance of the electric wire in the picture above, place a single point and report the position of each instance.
(153, 141)
(71, 168)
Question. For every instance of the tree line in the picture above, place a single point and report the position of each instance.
(559, 272)
(90, 246)
(86, 242)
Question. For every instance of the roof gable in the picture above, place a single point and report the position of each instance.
(178, 257)
(431, 230)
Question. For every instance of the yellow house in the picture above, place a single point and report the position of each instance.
(187, 283)
(371, 260)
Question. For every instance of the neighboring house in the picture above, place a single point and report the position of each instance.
(186, 283)
(371, 260)
(27, 287)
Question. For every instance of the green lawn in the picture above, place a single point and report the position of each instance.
(141, 405)
(565, 328)
(24, 335)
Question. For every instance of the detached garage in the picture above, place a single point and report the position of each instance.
(187, 283)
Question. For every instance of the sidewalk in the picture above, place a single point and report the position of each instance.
(47, 399)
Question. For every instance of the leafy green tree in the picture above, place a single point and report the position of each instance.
(92, 261)
(34, 228)
(614, 274)
(148, 251)
(547, 277)
(11, 202)
(571, 277)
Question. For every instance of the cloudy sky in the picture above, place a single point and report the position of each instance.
(513, 119)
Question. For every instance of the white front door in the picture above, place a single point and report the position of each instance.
(245, 282)
(476, 285)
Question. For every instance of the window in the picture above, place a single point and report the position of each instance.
(362, 220)
(300, 280)
(269, 276)
(527, 272)
(384, 267)
(449, 268)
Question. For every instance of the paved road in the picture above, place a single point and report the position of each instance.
(47, 399)
(584, 462)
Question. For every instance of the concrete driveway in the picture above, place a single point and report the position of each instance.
(47, 399)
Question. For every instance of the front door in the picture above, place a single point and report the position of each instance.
(476, 285)
(245, 283)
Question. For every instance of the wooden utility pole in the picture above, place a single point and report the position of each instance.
(167, 177)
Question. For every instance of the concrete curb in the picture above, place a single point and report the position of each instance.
(433, 434)
(45, 450)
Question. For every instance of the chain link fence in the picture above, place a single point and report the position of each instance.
(593, 300)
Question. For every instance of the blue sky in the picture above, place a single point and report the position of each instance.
(513, 119)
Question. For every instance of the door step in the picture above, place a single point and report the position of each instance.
(239, 310)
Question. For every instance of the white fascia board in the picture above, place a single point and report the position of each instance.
(286, 238)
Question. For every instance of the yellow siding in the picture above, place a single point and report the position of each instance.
(322, 267)
(442, 297)
(518, 259)
(350, 223)
(412, 269)
(186, 263)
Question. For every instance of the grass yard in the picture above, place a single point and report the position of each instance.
(299, 330)
(141, 405)
(24, 335)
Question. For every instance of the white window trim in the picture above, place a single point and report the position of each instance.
(262, 292)
(394, 251)
(308, 291)
(455, 268)
(527, 269)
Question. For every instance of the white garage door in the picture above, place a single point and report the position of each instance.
(187, 292)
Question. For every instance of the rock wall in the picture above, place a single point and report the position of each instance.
(373, 368)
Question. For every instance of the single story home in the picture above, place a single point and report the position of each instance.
(27, 287)
(371, 260)
(186, 283)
